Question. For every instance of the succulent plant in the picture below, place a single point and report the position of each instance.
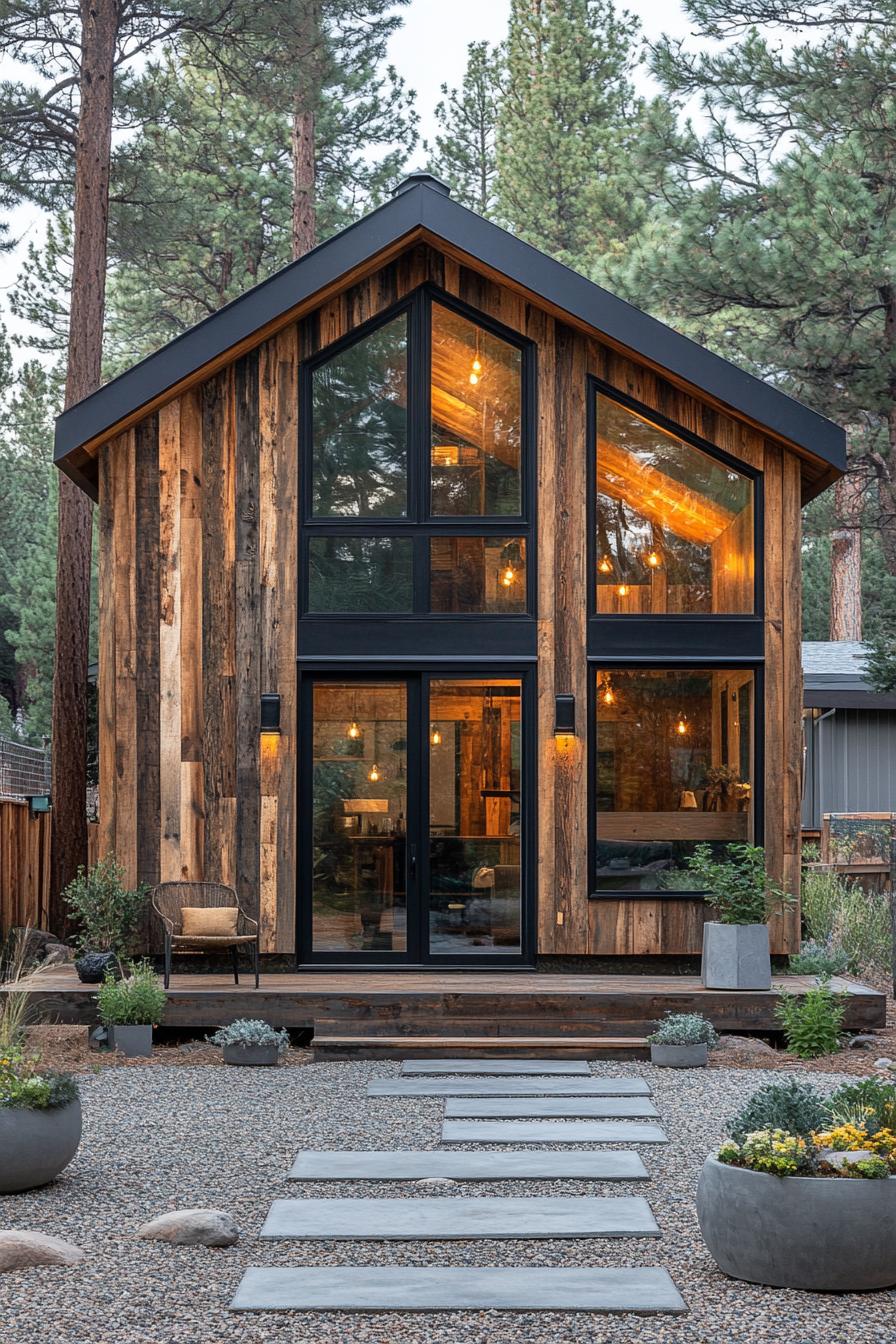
(684, 1029)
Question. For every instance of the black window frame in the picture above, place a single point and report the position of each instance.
(660, 641)
(668, 634)
(504, 633)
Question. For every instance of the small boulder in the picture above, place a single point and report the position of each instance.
(861, 1042)
(840, 1160)
(192, 1227)
(745, 1046)
(883, 1063)
(58, 954)
(436, 1180)
(21, 1250)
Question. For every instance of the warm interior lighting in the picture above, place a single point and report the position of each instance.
(353, 731)
(681, 727)
(622, 590)
(445, 454)
(435, 736)
(508, 578)
(608, 695)
(654, 560)
(373, 773)
(604, 565)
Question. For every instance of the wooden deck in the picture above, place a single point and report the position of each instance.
(353, 1013)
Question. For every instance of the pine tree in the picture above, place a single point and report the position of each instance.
(775, 238)
(464, 154)
(567, 126)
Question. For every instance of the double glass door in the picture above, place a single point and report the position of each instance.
(412, 798)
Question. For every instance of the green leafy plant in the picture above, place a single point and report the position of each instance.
(812, 1021)
(684, 1029)
(822, 959)
(845, 918)
(793, 1106)
(868, 1168)
(250, 1031)
(773, 1151)
(23, 1086)
(105, 910)
(136, 1000)
(740, 888)
(870, 1102)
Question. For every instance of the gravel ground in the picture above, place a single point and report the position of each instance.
(163, 1138)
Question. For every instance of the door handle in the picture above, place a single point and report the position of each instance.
(412, 860)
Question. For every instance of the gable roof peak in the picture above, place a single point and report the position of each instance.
(421, 178)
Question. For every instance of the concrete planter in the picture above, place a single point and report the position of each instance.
(253, 1055)
(821, 1234)
(134, 1042)
(679, 1056)
(736, 956)
(36, 1145)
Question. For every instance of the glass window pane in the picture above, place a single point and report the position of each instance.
(359, 462)
(478, 574)
(359, 812)
(476, 419)
(674, 766)
(360, 574)
(475, 781)
(674, 525)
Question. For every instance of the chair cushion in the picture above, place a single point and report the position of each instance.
(216, 921)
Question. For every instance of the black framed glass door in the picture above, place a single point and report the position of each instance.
(416, 829)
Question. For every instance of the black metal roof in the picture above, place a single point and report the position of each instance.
(422, 202)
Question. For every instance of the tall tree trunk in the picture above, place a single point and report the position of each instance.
(304, 223)
(846, 559)
(99, 31)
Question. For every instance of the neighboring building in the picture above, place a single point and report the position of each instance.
(850, 735)
(446, 602)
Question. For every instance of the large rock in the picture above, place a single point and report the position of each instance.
(58, 954)
(21, 1250)
(192, 1227)
(744, 1047)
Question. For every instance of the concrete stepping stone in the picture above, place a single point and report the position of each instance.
(509, 1087)
(495, 1066)
(406, 1288)
(551, 1131)
(535, 1108)
(533, 1165)
(459, 1217)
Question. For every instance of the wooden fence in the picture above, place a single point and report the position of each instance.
(25, 864)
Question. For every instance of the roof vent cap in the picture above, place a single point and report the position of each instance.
(421, 178)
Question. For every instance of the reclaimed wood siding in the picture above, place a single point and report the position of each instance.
(198, 593)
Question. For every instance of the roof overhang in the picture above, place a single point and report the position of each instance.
(424, 212)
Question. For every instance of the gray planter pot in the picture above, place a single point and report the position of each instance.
(821, 1234)
(736, 956)
(253, 1055)
(35, 1145)
(679, 1056)
(133, 1042)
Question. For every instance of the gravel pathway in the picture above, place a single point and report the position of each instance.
(158, 1139)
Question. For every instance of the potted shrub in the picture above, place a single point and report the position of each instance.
(40, 1122)
(682, 1041)
(106, 913)
(814, 1210)
(249, 1041)
(735, 946)
(129, 1008)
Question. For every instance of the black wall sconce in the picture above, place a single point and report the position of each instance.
(270, 713)
(564, 715)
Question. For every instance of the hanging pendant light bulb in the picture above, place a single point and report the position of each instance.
(353, 731)
(654, 560)
(508, 577)
(435, 736)
(605, 565)
(608, 695)
(476, 366)
(373, 773)
(622, 590)
(681, 726)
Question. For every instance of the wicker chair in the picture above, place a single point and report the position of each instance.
(169, 900)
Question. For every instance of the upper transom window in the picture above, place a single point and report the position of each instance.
(674, 526)
(416, 467)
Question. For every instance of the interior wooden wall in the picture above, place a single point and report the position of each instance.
(198, 584)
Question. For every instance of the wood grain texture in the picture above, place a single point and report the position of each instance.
(147, 672)
(169, 621)
(247, 632)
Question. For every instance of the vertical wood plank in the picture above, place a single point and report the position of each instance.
(283, 448)
(218, 633)
(106, 661)
(774, 675)
(192, 719)
(792, 727)
(147, 670)
(124, 543)
(246, 633)
(549, 900)
(169, 627)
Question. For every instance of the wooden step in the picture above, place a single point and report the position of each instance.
(333, 1046)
